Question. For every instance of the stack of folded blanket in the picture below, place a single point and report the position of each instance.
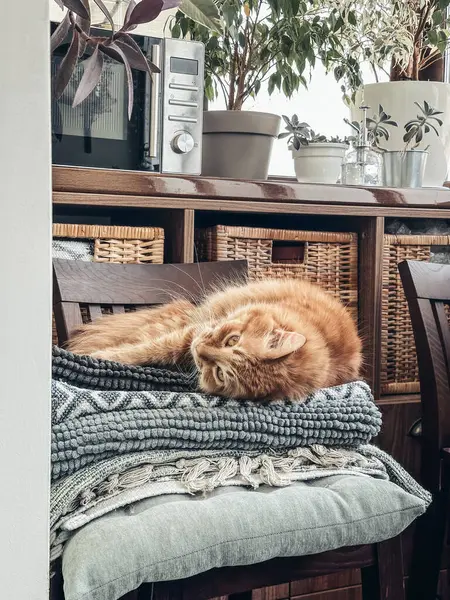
(121, 434)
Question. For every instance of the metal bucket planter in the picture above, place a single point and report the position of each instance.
(404, 169)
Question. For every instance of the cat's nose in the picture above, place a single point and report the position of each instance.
(202, 353)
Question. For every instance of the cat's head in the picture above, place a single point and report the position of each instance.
(256, 353)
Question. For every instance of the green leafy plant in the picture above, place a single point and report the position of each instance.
(258, 43)
(300, 134)
(404, 38)
(95, 51)
(377, 127)
(415, 130)
(425, 121)
(120, 46)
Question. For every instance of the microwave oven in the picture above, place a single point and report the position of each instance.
(164, 134)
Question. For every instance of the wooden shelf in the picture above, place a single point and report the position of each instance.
(95, 183)
(111, 200)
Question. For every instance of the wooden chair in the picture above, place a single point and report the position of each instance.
(80, 286)
(427, 289)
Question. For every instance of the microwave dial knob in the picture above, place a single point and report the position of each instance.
(183, 143)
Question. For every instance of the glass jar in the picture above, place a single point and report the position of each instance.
(362, 165)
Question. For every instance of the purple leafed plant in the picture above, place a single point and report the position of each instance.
(119, 46)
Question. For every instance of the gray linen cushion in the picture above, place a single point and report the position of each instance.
(172, 537)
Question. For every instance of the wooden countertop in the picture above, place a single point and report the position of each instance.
(100, 187)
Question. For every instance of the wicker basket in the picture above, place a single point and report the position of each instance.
(399, 371)
(115, 244)
(118, 244)
(328, 259)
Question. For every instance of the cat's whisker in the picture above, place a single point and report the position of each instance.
(182, 293)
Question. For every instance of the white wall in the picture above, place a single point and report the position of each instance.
(25, 291)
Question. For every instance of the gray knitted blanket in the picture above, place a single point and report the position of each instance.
(89, 426)
(88, 372)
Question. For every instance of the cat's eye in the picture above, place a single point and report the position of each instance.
(219, 374)
(232, 340)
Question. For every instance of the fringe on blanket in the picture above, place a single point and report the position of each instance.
(101, 488)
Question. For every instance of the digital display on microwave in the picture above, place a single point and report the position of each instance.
(183, 66)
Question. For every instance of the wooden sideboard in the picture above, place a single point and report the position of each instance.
(180, 204)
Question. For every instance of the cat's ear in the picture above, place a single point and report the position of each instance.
(281, 343)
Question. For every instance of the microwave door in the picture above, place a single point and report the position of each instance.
(97, 133)
(152, 113)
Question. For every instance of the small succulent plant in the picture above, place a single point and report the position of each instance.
(377, 127)
(423, 124)
(415, 130)
(301, 134)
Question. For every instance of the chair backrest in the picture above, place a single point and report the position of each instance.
(84, 291)
(427, 289)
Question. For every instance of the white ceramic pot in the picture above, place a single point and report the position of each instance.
(319, 163)
(397, 98)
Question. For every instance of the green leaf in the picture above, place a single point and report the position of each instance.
(277, 78)
(339, 24)
(204, 12)
(433, 38)
(176, 31)
(271, 84)
(184, 24)
(212, 43)
(409, 136)
(295, 6)
(338, 73)
(438, 17)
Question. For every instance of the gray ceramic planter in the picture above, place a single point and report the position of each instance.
(238, 144)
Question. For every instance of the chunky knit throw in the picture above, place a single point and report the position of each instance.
(88, 372)
(89, 426)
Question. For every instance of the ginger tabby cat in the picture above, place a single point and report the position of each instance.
(271, 339)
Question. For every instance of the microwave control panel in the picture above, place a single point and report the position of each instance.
(182, 106)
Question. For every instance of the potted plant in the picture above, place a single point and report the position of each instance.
(317, 159)
(404, 38)
(405, 166)
(260, 43)
(120, 46)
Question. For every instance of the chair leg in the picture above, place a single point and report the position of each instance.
(427, 551)
(384, 580)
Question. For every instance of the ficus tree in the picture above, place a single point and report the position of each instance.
(404, 38)
(259, 43)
